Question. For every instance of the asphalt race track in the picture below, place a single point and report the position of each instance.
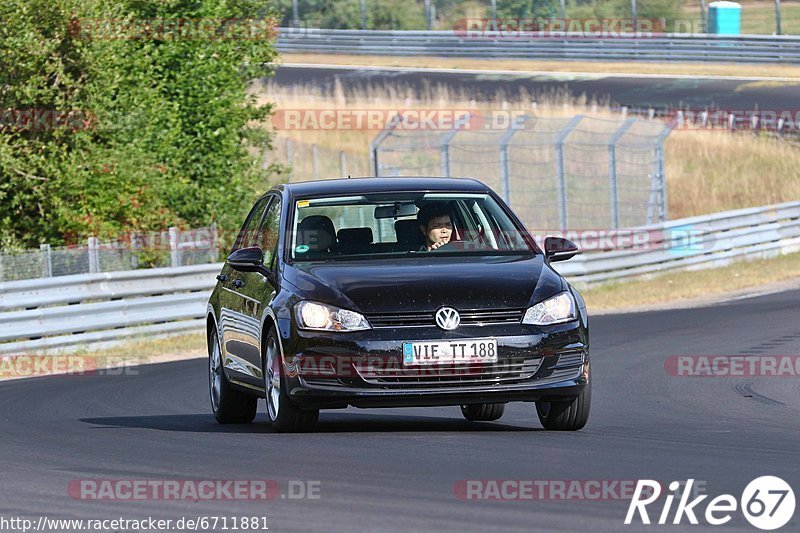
(658, 92)
(396, 469)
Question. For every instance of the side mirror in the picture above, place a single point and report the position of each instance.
(559, 249)
(247, 259)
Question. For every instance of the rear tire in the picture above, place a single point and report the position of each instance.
(229, 405)
(570, 415)
(483, 412)
(286, 417)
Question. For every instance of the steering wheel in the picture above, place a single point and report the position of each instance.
(452, 246)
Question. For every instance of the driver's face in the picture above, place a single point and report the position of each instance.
(439, 229)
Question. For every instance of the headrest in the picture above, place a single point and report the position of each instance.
(408, 232)
(355, 236)
(316, 232)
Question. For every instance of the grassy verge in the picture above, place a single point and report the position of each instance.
(156, 350)
(677, 286)
(691, 69)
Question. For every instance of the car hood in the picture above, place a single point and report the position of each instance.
(385, 286)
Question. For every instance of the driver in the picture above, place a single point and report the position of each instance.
(436, 225)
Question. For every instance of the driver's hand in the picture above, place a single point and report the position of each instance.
(437, 245)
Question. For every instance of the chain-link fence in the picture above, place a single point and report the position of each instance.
(308, 161)
(171, 248)
(556, 173)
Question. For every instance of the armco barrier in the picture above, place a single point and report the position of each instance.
(68, 311)
(662, 47)
(715, 240)
(53, 313)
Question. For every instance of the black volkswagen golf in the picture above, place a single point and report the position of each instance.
(394, 292)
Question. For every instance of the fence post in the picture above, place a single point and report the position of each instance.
(505, 189)
(343, 163)
(778, 17)
(661, 170)
(444, 147)
(560, 177)
(47, 261)
(175, 254)
(314, 161)
(703, 19)
(289, 157)
(134, 250)
(375, 145)
(612, 170)
(364, 14)
(214, 242)
(427, 15)
(94, 256)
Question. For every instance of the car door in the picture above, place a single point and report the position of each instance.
(255, 289)
(237, 326)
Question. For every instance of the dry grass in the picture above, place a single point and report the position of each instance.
(690, 69)
(707, 171)
(685, 285)
(717, 171)
(146, 350)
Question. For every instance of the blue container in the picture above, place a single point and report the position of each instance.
(725, 18)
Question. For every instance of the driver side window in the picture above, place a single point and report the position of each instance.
(269, 231)
(247, 235)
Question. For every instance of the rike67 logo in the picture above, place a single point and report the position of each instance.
(767, 503)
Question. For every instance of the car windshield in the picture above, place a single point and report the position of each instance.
(403, 225)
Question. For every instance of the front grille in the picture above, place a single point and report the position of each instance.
(568, 360)
(471, 317)
(435, 376)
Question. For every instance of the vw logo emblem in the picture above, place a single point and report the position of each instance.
(447, 318)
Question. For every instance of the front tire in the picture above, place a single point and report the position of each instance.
(285, 416)
(483, 412)
(570, 415)
(230, 406)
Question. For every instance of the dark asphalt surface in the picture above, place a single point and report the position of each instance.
(395, 469)
(660, 93)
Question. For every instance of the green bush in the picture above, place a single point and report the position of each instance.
(165, 136)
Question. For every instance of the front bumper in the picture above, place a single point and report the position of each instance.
(365, 369)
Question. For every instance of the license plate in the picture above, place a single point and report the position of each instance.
(450, 352)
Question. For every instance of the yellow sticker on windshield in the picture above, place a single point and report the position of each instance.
(303, 203)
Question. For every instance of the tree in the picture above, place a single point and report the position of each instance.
(528, 9)
(168, 134)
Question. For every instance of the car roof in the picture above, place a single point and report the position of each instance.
(385, 184)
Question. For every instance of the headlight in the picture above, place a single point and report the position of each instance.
(312, 315)
(554, 310)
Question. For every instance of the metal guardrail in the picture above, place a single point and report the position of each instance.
(70, 311)
(694, 243)
(456, 43)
